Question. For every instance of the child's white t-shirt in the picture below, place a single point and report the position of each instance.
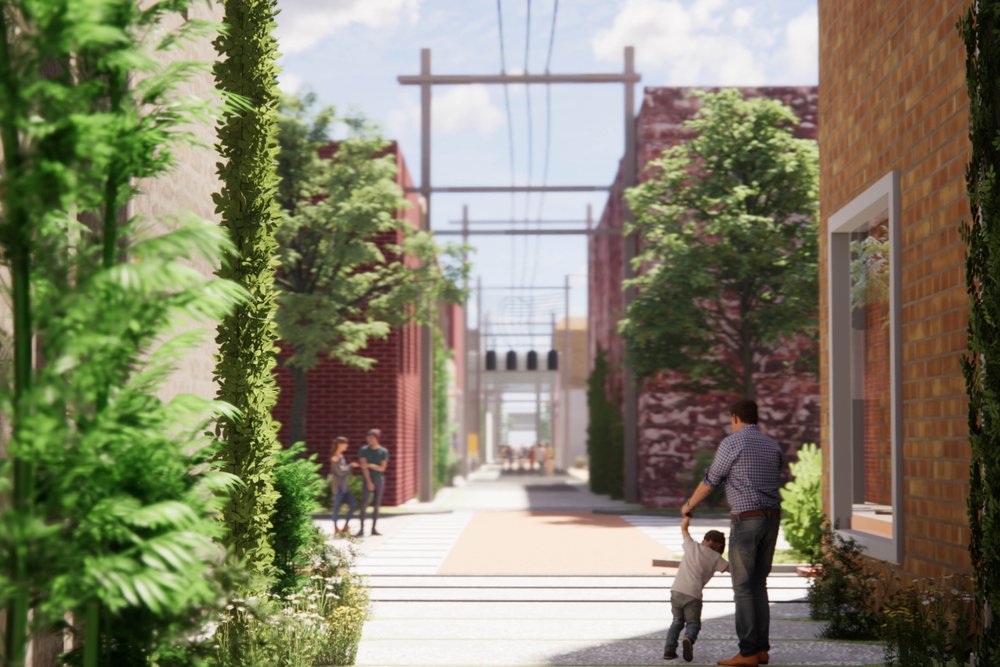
(699, 564)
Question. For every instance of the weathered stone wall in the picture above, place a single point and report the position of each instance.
(674, 424)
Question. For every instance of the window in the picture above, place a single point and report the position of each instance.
(865, 377)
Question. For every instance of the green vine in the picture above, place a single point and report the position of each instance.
(247, 74)
(980, 28)
(443, 428)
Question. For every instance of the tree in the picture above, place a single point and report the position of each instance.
(113, 501)
(981, 33)
(342, 282)
(728, 267)
(247, 145)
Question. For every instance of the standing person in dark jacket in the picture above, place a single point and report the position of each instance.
(749, 463)
(374, 459)
(340, 478)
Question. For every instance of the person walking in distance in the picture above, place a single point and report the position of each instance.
(340, 478)
(701, 561)
(749, 463)
(374, 459)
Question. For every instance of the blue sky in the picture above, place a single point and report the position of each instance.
(349, 52)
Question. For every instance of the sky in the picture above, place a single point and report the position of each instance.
(350, 53)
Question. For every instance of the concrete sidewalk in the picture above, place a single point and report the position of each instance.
(425, 614)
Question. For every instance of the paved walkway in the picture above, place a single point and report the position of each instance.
(432, 604)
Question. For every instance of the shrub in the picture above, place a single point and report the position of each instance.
(802, 502)
(295, 536)
(843, 590)
(928, 623)
(605, 433)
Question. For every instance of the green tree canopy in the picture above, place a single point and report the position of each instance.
(728, 261)
(344, 279)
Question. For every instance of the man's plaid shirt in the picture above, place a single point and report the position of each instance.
(749, 462)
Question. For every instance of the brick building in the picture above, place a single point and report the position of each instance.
(893, 151)
(346, 401)
(674, 425)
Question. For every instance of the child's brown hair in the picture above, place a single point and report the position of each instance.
(716, 540)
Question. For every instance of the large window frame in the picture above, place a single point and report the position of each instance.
(879, 202)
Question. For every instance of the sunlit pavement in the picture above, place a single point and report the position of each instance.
(430, 605)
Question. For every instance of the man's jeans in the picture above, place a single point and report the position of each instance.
(687, 611)
(751, 550)
(340, 497)
(366, 495)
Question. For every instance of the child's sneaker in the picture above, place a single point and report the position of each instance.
(687, 648)
(670, 655)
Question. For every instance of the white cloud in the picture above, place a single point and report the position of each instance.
(459, 109)
(742, 17)
(304, 23)
(684, 42)
(801, 52)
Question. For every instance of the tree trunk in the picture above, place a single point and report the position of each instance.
(300, 401)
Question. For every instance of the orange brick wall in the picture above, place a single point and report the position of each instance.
(892, 96)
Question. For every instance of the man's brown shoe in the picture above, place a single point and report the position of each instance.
(740, 660)
(762, 658)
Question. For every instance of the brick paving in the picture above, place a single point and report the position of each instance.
(426, 614)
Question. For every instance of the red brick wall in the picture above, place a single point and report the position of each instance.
(349, 402)
(893, 80)
(673, 425)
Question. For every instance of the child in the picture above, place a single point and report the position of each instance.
(700, 562)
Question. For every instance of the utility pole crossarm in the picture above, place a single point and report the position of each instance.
(464, 79)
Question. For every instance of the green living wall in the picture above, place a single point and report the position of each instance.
(980, 27)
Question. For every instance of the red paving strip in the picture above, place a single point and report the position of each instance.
(552, 543)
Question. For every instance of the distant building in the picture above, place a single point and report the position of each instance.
(571, 412)
(893, 152)
(674, 425)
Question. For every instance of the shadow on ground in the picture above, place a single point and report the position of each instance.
(795, 642)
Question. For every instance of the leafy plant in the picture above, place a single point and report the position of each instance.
(729, 263)
(318, 624)
(843, 589)
(295, 537)
(352, 267)
(802, 502)
(930, 623)
(981, 33)
(113, 499)
(605, 433)
(246, 72)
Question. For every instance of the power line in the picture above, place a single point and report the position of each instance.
(510, 125)
(548, 128)
(531, 149)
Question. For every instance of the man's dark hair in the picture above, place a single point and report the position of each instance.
(716, 538)
(745, 410)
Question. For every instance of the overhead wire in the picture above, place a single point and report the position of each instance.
(548, 132)
(510, 132)
(526, 242)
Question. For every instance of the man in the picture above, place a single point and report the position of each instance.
(749, 463)
(374, 459)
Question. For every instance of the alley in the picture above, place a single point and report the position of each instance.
(446, 590)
